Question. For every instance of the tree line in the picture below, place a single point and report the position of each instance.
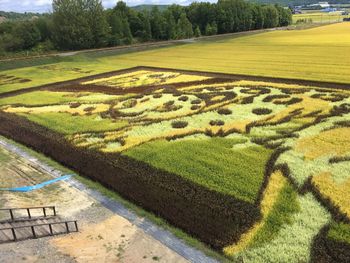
(82, 24)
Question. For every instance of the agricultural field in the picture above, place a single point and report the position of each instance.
(256, 168)
(310, 54)
(320, 17)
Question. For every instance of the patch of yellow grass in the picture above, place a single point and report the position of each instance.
(59, 108)
(216, 98)
(276, 183)
(308, 105)
(338, 193)
(330, 142)
(144, 77)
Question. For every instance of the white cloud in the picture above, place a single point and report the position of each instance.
(45, 5)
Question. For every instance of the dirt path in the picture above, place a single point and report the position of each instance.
(108, 231)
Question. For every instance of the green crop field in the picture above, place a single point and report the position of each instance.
(320, 17)
(311, 54)
(258, 169)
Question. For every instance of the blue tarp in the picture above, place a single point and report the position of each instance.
(35, 187)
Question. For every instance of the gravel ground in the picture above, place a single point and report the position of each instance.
(108, 231)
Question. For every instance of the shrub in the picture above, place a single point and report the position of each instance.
(89, 109)
(261, 111)
(74, 105)
(179, 124)
(248, 100)
(196, 101)
(157, 95)
(224, 111)
(183, 98)
(169, 103)
(216, 123)
(195, 107)
(130, 103)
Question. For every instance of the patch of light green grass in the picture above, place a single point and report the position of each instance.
(49, 97)
(294, 241)
(282, 212)
(339, 232)
(67, 124)
(212, 163)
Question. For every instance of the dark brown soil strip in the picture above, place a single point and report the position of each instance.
(226, 76)
(212, 217)
(327, 250)
(76, 87)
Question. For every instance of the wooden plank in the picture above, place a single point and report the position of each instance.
(42, 228)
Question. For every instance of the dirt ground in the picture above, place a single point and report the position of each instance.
(103, 236)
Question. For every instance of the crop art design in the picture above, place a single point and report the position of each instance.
(258, 169)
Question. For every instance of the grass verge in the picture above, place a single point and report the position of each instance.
(189, 240)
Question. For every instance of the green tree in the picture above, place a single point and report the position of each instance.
(257, 17)
(170, 26)
(284, 16)
(201, 14)
(71, 29)
(127, 36)
(44, 26)
(97, 22)
(271, 17)
(141, 27)
(184, 27)
(116, 25)
(211, 29)
(197, 32)
(157, 24)
(28, 33)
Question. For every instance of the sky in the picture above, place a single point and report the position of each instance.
(41, 6)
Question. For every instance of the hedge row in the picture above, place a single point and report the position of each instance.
(327, 250)
(212, 217)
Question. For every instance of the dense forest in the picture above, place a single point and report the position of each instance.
(82, 24)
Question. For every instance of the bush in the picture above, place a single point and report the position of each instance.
(261, 111)
(157, 95)
(179, 124)
(195, 107)
(196, 101)
(74, 105)
(224, 111)
(216, 123)
(183, 98)
(89, 109)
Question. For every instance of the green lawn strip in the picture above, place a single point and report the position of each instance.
(339, 232)
(3, 157)
(63, 71)
(50, 98)
(66, 123)
(282, 213)
(38, 98)
(211, 163)
(115, 196)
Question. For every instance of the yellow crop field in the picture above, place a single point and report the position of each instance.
(311, 54)
(320, 17)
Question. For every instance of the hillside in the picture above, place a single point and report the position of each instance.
(18, 16)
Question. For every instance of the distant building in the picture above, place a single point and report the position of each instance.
(2, 19)
(324, 4)
(320, 5)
